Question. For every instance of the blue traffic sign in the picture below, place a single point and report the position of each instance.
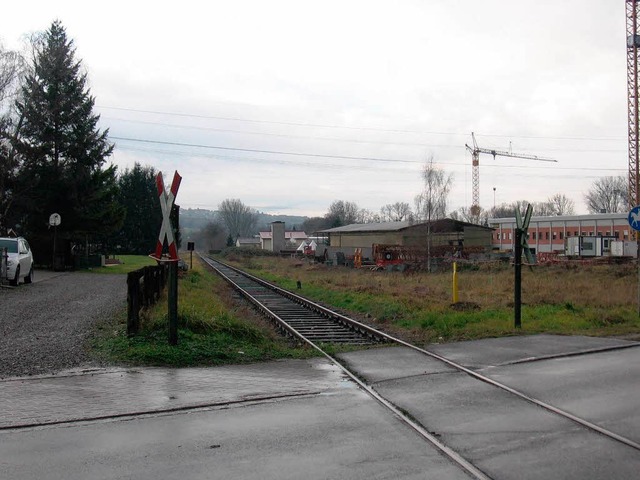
(634, 218)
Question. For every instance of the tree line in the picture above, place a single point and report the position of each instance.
(53, 154)
(53, 159)
(606, 195)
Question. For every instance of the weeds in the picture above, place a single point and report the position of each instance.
(566, 299)
(211, 331)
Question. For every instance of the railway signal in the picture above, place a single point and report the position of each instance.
(166, 233)
(166, 204)
(520, 246)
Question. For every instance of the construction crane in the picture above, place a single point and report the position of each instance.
(475, 161)
(633, 45)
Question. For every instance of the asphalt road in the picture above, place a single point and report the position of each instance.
(304, 419)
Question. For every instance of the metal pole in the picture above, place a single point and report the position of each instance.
(53, 257)
(173, 303)
(455, 282)
(517, 262)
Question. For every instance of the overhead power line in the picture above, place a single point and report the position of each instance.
(334, 165)
(276, 152)
(347, 140)
(348, 127)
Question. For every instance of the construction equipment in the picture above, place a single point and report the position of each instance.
(475, 161)
(633, 51)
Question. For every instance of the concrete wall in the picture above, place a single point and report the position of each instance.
(277, 236)
(363, 240)
(414, 237)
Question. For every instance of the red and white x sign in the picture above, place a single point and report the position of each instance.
(166, 203)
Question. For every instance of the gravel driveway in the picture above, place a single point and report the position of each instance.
(44, 327)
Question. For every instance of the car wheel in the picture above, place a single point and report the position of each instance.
(29, 277)
(15, 281)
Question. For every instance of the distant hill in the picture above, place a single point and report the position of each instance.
(291, 221)
(194, 219)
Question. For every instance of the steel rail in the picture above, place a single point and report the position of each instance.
(352, 327)
(448, 452)
(478, 376)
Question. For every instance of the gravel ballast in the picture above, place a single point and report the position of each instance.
(45, 327)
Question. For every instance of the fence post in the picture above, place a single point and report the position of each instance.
(149, 295)
(173, 303)
(133, 303)
(157, 284)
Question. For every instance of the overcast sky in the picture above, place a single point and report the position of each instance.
(266, 100)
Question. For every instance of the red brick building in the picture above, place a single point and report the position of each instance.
(548, 234)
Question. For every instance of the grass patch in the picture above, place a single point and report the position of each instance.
(128, 263)
(589, 300)
(211, 331)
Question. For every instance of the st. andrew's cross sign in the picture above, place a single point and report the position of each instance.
(166, 204)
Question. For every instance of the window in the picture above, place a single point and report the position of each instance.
(575, 234)
(554, 235)
(533, 235)
(509, 235)
(561, 235)
(504, 235)
(546, 235)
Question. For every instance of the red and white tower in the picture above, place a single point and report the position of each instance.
(633, 44)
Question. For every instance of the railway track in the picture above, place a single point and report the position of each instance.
(294, 315)
(316, 325)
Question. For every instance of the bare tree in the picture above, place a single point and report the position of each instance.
(342, 213)
(506, 210)
(395, 212)
(431, 204)
(466, 214)
(561, 205)
(239, 219)
(315, 224)
(367, 216)
(210, 237)
(12, 67)
(543, 209)
(607, 195)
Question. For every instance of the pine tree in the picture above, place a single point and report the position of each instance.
(138, 194)
(62, 150)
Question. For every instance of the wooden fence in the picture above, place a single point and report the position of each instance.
(143, 290)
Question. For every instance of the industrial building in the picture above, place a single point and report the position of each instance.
(445, 232)
(549, 234)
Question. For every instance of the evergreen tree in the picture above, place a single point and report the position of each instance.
(61, 148)
(138, 195)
